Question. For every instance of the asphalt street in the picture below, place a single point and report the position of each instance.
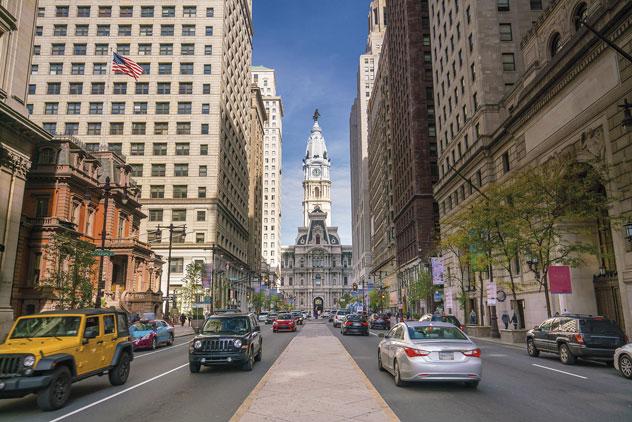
(160, 388)
(513, 388)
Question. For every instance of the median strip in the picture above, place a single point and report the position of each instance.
(562, 372)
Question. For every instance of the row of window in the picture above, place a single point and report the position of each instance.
(103, 49)
(101, 69)
(127, 11)
(122, 30)
(176, 215)
(118, 128)
(140, 88)
(139, 107)
(160, 170)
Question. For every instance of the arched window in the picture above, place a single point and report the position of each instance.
(318, 239)
(317, 192)
(555, 44)
(579, 15)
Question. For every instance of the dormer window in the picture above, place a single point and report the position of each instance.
(555, 44)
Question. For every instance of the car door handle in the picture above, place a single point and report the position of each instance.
(99, 341)
(113, 339)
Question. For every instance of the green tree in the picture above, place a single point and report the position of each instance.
(345, 300)
(455, 241)
(258, 301)
(191, 286)
(71, 271)
(419, 289)
(378, 299)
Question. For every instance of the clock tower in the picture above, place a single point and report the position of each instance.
(316, 178)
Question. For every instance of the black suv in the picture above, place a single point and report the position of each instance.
(572, 336)
(227, 339)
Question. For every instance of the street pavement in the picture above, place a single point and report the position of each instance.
(160, 388)
(513, 388)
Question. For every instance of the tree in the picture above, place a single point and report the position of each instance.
(455, 241)
(378, 299)
(420, 288)
(258, 301)
(71, 271)
(345, 300)
(191, 286)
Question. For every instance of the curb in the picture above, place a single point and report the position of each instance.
(500, 343)
(184, 335)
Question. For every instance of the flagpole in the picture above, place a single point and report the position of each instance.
(108, 82)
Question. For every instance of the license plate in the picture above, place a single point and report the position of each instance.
(356, 324)
(446, 356)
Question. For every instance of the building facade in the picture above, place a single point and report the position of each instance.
(317, 270)
(358, 144)
(18, 136)
(265, 78)
(184, 124)
(64, 194)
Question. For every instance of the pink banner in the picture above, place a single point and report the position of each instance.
(560, 279)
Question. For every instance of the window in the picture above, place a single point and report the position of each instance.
(162, 108)
(103, 30)
(41, 12)
(158, 170)
(199, 237)
(137, 170)
(137, 149)
(186, 68)
(166, 30)
(181, 170)
(189, 11)
(161, 128)
(124, 30)
(204, 149)
(178, 215)
(101, 49)
(105, 11)
(61, 11)
(53, 88)
(126, 11)
(505, 159)
(470, 42)
(179, 191)
(164, 68)
(96, 108)
(202, 171)
(185, 88)
(184, 108)
(509, 64)
(473, 72)
(163, 88)
(579, 15)
(140, 108)
(160, 149)
(204, 129)
(116, 128)
(182, 148)
(75, 88)
(32, 89)
(119, 88)
(206, 88)
(176, 264)
(73, 108)
(118, 108)
(155, 215)
(475, 101)
(168, 11)
(51, 108)
(81, 49)
(188, 30)
(555, 44)
(505, 32)
(146, 30)
(139, 128)
(83, 11)
(99, 69)
(37, 49)
(78, 69)
(50, 128)
(210, 12)
(94, 128)
(166, 49)
(71, 128)
(201, 192)
(183, 128)
(56, 68)
(536, 4)
(157, 191)
(187, 49)
(97, 88)
(207, 69)
(208, 31)
(142, 88)
(58, 49)
(503, 5)
(115, 147)
(208, 50)
(34, 69)
(147, 11)
(58, 30)
(81, 30)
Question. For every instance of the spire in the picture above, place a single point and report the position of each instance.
(316, 147)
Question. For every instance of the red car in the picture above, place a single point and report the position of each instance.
(284, 322)
(151, 334)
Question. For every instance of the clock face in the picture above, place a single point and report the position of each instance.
(316, 172)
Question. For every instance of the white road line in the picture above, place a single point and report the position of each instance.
(81, 409)
(562, 372)
(373, 334)
(161, 350)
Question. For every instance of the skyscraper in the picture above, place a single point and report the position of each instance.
(183, 124)
(358, 143)
(265, 78)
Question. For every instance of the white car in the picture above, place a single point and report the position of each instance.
(623, 360)
(338, 318)
(262, 316)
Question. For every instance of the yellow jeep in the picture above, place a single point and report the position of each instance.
(45, 353)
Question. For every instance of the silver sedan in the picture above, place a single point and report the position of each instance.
(623, 360)
(429, 351)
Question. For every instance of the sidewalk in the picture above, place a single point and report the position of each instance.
(179, 331)
(314, 379)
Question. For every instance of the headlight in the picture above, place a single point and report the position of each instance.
(29, 361)
(197, 344)
(237, 343)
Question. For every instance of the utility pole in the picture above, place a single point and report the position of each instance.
(171, 227)
(100, 281)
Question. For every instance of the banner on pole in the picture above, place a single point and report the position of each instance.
(560, 279)
(437, 270)
(207, 276)
(491, 294)
(448, 302)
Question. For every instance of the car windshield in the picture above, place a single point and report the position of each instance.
(428, 332)
(342, 312)
(285, 316)
(141, 326)
(237, 325)
(599, 326)
(355, 317)
(57, 326)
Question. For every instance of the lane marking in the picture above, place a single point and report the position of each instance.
(562, 372)
(81, 409)
(373, 334)
(161, 350)
(496, 355)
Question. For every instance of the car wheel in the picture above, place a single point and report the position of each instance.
(57, 393)
(379, 361)
(625, 366)
(171, 339)
(118, 375)
(472, 384)
(194, 367)
(154, 344)
(250, 363)
(531, 349)
(398, 376)
(566, 357)
(259, 354)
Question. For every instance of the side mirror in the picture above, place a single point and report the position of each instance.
(386, 336)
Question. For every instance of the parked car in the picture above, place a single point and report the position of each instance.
(380, 322)
(429, 351)
(284, 322)
(47, 352)
(574, 336)
(151, 334)
(340, 314)
(623, 360)
(271, 318)
(444, 318)
(298, 317)
(325, 315)
(227, 339)
(263, 316)
(355, 324)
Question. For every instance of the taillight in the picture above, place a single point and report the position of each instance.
(365, 324)
(348, 324)
(462, 327)
(476, 353)
(579, 338)
(411, 353)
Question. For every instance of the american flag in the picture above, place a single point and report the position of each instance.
(122, 64)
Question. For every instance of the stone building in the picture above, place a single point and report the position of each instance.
(18, 136)
(184, 124)
(317, 270)
(64, 194)
(568, 101)
(358, 144)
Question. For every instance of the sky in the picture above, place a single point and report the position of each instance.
(314, 46)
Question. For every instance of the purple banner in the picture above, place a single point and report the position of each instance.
(437, 270)
(207, 276)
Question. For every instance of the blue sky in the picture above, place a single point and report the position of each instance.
(314, 47)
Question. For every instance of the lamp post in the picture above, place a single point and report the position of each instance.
(171, 227)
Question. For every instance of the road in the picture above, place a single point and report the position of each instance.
(513, 388)
(160, 388)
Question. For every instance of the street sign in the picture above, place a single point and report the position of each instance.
(103, 252)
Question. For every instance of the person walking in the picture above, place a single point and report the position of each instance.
(183, 318)
(514, 321)
(505, 319)
(473, 317)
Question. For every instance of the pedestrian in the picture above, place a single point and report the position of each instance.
(408, 315)
(189, 318)
(183, 318)
(473, 317)
(505, 318)
(514, 321)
